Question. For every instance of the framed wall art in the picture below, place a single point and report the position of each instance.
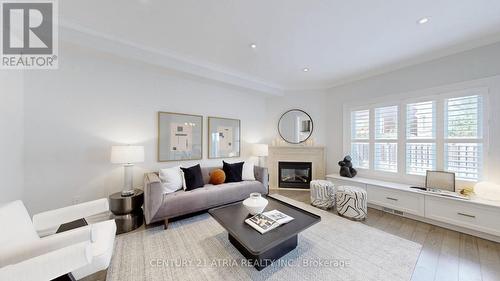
(179, 137)
(224, 136)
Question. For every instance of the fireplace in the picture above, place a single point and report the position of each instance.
(294, 174)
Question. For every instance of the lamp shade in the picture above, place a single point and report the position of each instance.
(127, 154)
(260, 150)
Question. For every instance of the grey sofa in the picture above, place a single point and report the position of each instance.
(161, 207)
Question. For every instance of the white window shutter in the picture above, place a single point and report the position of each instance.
(463, 137)
(386, 122)
(421, 120)
(386, 130)
(386, 157)
(420, 157)
(360, 154)
(360, 125)
(464, 159)
(463, 117)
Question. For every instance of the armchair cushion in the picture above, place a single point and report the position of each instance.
(19, 229)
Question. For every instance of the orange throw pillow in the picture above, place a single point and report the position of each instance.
(217, 177)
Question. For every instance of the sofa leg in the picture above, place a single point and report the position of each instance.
(165, 224)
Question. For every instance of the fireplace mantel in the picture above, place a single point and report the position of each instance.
(313, 154)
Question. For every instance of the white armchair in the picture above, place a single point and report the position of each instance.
(31, 250)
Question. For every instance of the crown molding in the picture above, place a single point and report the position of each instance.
(86, 37)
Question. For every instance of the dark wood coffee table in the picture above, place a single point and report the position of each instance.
(263, 249)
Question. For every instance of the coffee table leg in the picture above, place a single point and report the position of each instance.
(264, 259)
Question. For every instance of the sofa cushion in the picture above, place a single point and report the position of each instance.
(248, 171)
(217, 176)
(193, 177)
(233, 171)
(171, 179)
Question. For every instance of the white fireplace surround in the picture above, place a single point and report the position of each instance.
(313, 154)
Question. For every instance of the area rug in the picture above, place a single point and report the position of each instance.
(197, 248)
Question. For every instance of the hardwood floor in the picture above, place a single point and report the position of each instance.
(446, 255)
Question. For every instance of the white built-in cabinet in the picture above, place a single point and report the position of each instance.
(476, 216)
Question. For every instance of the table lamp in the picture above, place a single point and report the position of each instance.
(127, 155)
(260, 150)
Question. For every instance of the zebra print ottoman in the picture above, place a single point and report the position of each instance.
(351, 202)
(322, 194)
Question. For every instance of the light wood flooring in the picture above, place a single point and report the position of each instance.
(446, 255)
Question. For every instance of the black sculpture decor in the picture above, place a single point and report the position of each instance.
(346, 169)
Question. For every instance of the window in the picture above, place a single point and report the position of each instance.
(409, 138)
(360, 154)
(463, 118)
(420, 157)
(386, 157)
(420, 137)
(386, 122)
(360, 148)
(360, 125)
(386, 132)
(463, 137)
(464, 159)
(421, 120)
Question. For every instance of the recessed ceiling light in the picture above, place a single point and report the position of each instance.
(423, 20)
(253, 45)
(305, 69)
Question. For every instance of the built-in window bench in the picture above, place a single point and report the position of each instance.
(477, 216)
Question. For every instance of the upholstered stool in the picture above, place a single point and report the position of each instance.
(351, 202)
(322, 194)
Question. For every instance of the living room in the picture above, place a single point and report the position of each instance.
(107, 129)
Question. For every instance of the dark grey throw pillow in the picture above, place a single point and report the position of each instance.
(233, 171)
(193, 177)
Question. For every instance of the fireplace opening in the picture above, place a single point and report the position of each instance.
(294, 174)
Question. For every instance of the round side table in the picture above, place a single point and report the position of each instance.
(127, 210)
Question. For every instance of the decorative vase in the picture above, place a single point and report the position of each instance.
(255, 204)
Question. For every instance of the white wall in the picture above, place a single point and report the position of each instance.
(95, 100)
(444, 74)
(312, 102)
(11, 135)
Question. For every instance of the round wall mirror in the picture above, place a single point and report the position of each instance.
(295, 126)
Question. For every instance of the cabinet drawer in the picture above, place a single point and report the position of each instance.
(339, 182)
(476, 217)
(404, 201)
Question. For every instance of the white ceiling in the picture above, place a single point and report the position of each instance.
(339, 40)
